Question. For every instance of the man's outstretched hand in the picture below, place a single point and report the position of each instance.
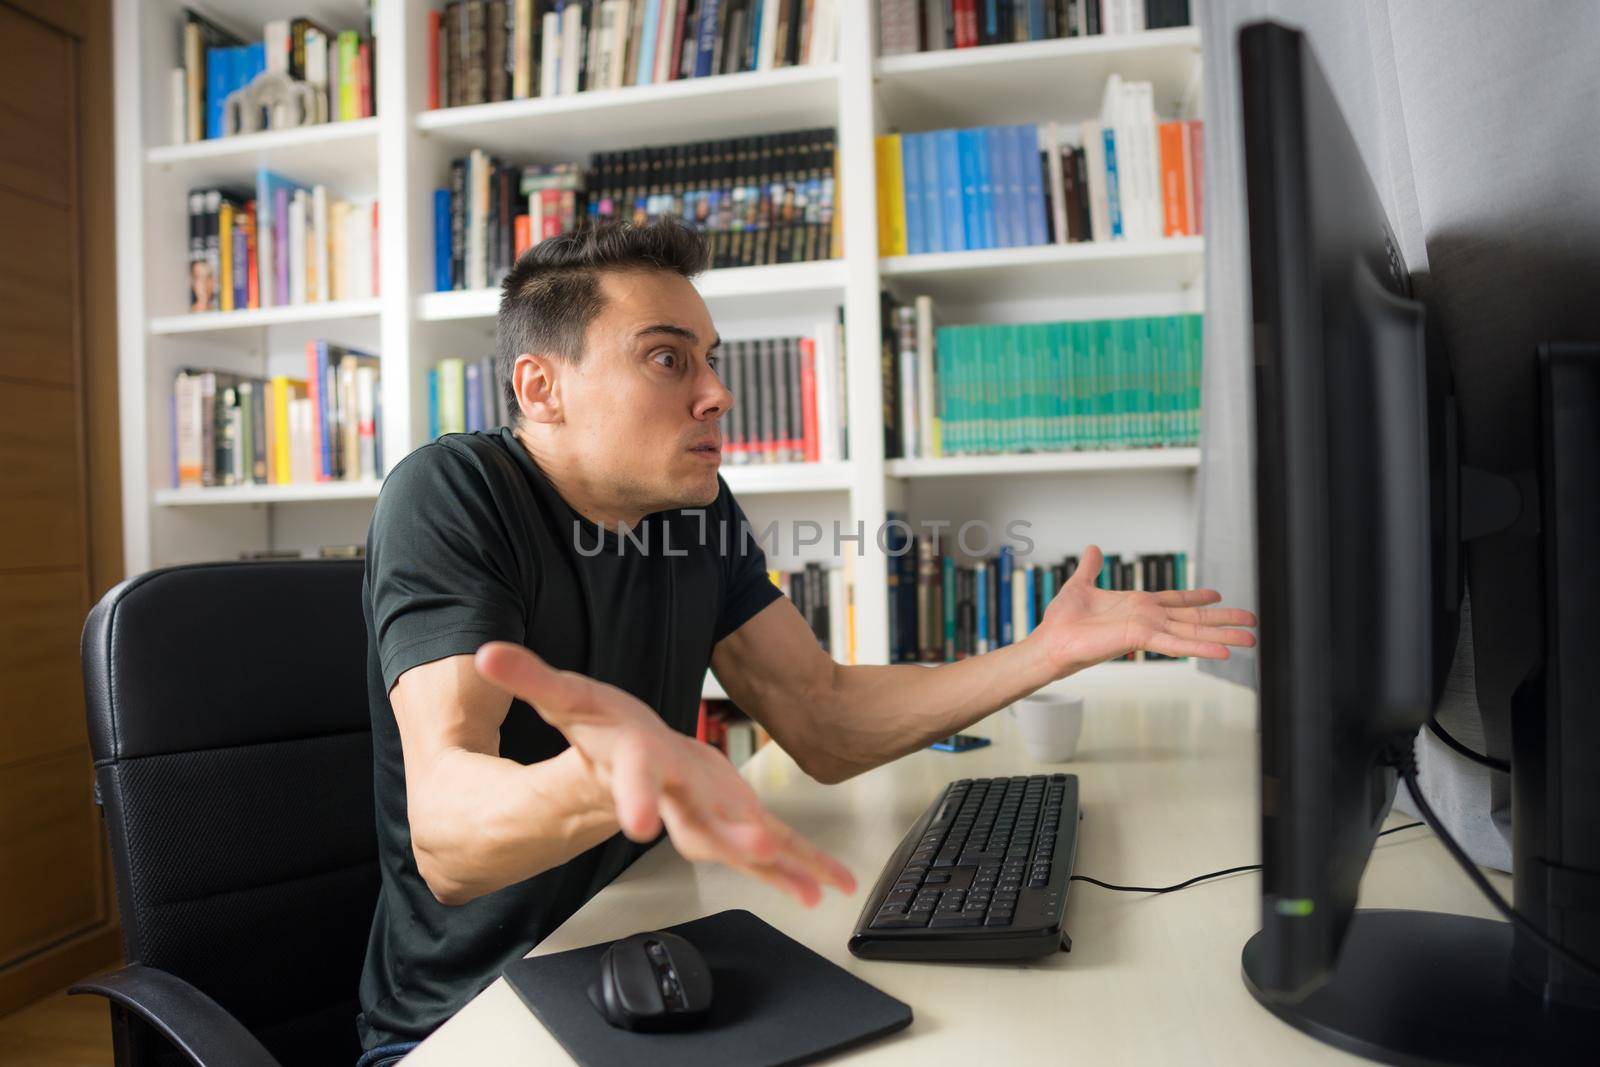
(658, 777)
(1085, 625)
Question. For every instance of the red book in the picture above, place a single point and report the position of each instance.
(810, 450)
(433, 59)
(673, 71)
(1174, 189)
(966, 20)
(1197, 183)
(549, 213)
(364, 79)
(700, 726)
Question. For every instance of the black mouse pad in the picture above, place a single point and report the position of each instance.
(774, 1002)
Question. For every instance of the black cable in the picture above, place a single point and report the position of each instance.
(1202, 877)
(1462, 750)
(1405, 760)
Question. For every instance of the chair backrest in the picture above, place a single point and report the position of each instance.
(227, 708)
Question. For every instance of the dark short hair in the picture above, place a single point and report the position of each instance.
(550, 297)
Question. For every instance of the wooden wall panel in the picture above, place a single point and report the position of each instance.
(41, 620)
(49, 840)
(41, 478)
(36, 289)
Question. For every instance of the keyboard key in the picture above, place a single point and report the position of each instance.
(899, 922)
(937, 878)
(957, 919)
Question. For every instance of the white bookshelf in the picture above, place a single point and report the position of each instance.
(1128, 501)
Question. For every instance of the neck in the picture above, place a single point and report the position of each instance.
(582, 493)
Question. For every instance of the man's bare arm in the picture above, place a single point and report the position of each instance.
(837, 721)
(480, 821)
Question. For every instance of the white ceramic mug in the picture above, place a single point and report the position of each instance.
(1051, 724)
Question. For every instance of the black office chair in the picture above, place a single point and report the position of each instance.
(228, 719)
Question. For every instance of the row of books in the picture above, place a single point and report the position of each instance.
(943, 609)
(485, 51)
(1013, 186)
(300, 73)
(232, 429)
(821, 595)
(464, 396)
(725, 728)
(288, 244)
(789, 398)
(1037, 387)
(931, 25)
(757, 200)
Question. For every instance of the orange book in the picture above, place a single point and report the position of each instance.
(522, 236)
(1174, 187)
(253, 280)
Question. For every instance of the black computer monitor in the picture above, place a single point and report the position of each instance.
(1358, 515)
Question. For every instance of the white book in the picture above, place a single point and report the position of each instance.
(550, 55)
(767, 47)
(178, 106)
(317, 60)
(322, 236)
(477, 267)
(266, 264)
(1050, 145)
(927, 410)
(366, 388)
(910, 430)
(186, 430)
(571, 47)
(827, 415)
(838, 616)
(356, 270)
(1144, 123)
(297, 247)
(594, 44)
(300, 440)
(275, 36)
(1132, 16)
(1094, 157)
(664, 57)
(1021, 576)
(824, 32)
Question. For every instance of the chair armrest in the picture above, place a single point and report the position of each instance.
(192, 1021)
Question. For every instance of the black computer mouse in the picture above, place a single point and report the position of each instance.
(652, 982)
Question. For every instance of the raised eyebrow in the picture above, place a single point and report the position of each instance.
(671, 330)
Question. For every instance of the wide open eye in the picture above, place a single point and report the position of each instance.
(666, 357)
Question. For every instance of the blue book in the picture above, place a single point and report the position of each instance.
(1033, 184)
(991, 19)
(947, 146)
(441, 239)
(433, 403)
(972, 221)
(254, 63)
(218, 72)
(706, 38)
(474, 389)
(986, 187)
(980, 593)
(645, 70)
(911, 185)
(932, 206)
(1003, 580)
(1114, 206)
(1017, 166)
(1036, 30)
(996, 155)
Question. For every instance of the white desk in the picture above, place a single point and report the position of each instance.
(1168, 777)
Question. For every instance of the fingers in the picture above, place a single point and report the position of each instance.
(519, 672)
(761, 846)
(1089, 565)
(636, 789)
(1178, 598)
(1211, 616)
(1178, 647)
(1213, 634)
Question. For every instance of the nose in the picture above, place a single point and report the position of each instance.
(712, 398)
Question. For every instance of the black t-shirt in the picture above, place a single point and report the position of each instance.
(470, 543)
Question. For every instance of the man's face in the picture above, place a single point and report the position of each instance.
(640, 409)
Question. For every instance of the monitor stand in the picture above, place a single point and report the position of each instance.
(1423, 987)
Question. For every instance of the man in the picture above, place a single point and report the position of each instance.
(496, 569)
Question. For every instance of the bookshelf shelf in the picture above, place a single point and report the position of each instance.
(788, 477)
(338, 154)
(1001, 83)
(403, 154)
(1046, 463)
(559, 128)
(268, 494)
(778, 285)
(224, 321)
(1042, 271)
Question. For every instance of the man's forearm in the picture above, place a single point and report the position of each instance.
(489, 822)
(879, 713)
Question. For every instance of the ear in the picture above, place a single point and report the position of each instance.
(535, 379)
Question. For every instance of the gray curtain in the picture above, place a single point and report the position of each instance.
(1480, 124)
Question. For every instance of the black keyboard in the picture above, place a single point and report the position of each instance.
(982, 875)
